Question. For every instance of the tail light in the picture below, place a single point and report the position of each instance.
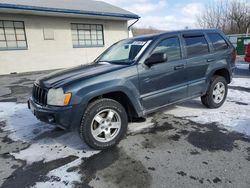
(234, 56)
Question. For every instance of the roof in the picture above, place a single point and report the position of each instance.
(189, 32)
(89, 8)
(145, 31)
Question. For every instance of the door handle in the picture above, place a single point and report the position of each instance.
(178, 67)
(210, 60)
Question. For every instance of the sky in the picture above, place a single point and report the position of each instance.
(164, 14)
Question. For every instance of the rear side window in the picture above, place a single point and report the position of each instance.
(196, 45)
(171, 46)
(218, 42)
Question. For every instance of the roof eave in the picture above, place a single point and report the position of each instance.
(60, 11)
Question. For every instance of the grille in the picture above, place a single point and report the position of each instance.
(40, 95)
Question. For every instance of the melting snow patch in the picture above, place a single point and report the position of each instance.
(47, 143)
(66, 177)
(242, 82)
(242, 65)
(21, 123)
(234, 114)
(55, 148)
(139, 127)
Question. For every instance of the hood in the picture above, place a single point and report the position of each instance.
(67, 76)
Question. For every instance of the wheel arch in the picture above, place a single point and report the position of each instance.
(221, 71)
(122, 98)
(224, 73)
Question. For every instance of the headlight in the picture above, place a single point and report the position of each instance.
(57, 97)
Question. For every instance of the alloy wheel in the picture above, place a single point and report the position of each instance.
(106, 125)
(219, 92)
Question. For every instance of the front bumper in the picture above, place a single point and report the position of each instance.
(59, 116)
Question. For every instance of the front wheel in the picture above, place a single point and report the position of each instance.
(216, 94)
(104, 124)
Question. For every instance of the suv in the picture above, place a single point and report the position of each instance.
(133, 78)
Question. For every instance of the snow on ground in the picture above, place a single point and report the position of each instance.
(19, 119)
(66, 177)
(138, 127)
(233, 115)
(242, 65)
(48, 144)
(242, 82)
(55, 148)
(54, 144)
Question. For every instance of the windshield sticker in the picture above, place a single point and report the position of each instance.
(139, 43)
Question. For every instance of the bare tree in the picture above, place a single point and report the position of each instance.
(240, 16)
(229, 16)
(213, 15)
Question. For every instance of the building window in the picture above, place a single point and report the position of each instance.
(12, 35)
(87, 35)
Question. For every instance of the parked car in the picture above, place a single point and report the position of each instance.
(133, 78)
(247, 55)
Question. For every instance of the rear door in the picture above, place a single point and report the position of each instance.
(197, 52)
(221, 49)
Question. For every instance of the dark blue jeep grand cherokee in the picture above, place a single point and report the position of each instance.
(133, 78)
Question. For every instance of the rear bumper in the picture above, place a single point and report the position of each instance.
(59, 116)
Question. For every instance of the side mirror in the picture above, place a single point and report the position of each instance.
(156, 58)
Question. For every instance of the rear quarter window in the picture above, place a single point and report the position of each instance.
(196, 45)
(218, 41)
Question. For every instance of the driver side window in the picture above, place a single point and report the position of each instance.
(170, 46)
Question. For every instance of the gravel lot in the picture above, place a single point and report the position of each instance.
(185, 146)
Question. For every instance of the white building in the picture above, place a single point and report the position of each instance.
(51, 34)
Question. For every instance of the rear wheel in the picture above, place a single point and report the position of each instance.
(104, 124)
(216, 94)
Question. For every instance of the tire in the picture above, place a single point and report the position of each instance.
(214, 98)
(103, 124)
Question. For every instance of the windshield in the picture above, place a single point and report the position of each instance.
(125, 51)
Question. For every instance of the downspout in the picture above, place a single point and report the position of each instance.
(129, 27)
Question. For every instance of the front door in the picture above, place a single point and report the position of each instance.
(165, 82)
